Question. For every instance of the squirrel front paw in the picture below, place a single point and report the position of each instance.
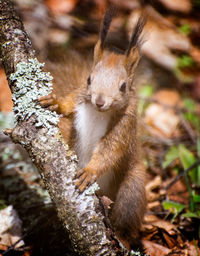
(49, 101)
(85, 178)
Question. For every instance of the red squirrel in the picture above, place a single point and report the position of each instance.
(101, 123)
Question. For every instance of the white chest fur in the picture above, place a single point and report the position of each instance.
(91, 126)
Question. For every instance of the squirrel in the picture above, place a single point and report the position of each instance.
(101, 121)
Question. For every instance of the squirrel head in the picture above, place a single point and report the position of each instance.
(110, 82)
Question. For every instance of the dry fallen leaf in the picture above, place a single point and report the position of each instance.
(184, 6)
(128, 4)
(153, 221)
(178, 192)
(160, 36)
(163, 232)
(10, 227)
(192, 249)
(169, 240)
(154, 204)
(61, 6)
(57, 36)
(155, 249)
(166, 225)
(6, 103)
(155, 183)
(195, 90)
(3, 248)
(106, 201)
(195, 53)
(147, 228)
(161, 117)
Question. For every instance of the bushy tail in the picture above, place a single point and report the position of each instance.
(130, 206)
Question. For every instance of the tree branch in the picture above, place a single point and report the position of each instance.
(37, 131)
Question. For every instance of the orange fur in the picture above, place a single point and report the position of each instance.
(113, 60)
(66, 105)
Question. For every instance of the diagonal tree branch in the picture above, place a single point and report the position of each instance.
(36, 129)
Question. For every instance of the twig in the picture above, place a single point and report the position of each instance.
(188, 128)
(12, 247)
(195, 164)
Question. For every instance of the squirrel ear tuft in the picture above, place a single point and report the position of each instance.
(136, 38)
(99, 47)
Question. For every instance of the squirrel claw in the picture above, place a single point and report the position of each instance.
(84, 179)
(46, 102)
(53, 107)
(49, 101)
(48, 97)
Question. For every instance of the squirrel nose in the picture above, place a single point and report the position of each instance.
(100, 102)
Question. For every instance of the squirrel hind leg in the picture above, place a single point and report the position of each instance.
(129, 208)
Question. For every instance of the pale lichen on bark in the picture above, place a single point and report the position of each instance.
(32, 83)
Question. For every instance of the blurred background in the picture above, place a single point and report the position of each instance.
(168, 85)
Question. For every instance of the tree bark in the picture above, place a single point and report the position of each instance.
(36, 129)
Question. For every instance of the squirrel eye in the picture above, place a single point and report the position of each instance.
(123, 87)
(89, 80)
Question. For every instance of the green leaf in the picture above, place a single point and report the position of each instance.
(196, 198)
(2, 204)
(190, 215)
(189, 104)
(185, 78)
(170, 156)
(196, 247)
(185, 29)
(198, 176)
(187, 159)
(190, 115)
(145, 91)
(198, 168)
(198, 146)
(185, 61)
(173, 207)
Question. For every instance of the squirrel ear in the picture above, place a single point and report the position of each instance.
(131, 60)
(98, 52)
